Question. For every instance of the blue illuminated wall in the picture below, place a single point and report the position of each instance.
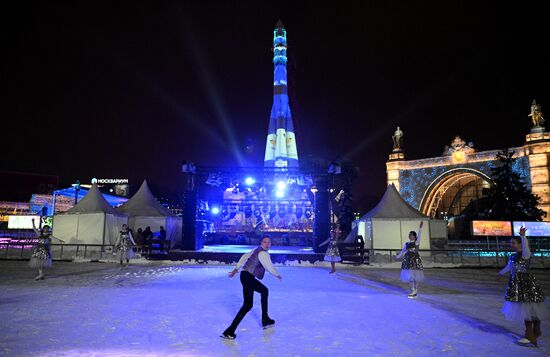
(414, 183)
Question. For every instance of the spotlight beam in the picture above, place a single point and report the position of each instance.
(168, 99)
(211, 87)
(422, 100)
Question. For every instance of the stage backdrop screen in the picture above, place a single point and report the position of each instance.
(492, 228)
(534, 229)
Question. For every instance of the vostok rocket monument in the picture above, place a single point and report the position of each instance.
(237, 205)
(280, 150)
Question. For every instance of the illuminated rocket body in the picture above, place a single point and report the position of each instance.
(280, 150)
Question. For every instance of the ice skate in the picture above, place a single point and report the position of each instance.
(228, 335)
(412, 294)
(39, 277)
(525, 342)
(267, 322)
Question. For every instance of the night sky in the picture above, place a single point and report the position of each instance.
(114, 89)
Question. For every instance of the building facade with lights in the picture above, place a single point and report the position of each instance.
(442, 187)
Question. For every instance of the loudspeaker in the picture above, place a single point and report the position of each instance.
(191, 238)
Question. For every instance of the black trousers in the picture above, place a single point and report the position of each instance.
(250, 284)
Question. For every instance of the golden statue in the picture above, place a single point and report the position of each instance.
(536, 114)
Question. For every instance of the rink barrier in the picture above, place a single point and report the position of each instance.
(490, 258)
(22, 250)
(497, 243)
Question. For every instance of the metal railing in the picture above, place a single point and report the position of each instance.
(22, 250)
(461, 257)
(497, 243)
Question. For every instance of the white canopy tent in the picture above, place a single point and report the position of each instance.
(144, 211)
(387, 225)
(91, 221)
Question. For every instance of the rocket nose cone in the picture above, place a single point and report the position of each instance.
(279, 25)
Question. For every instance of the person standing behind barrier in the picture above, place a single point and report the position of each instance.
(124, 245)
(41, 256)
(147, 238)
(162, 238)
(412, 271)
(139, 238)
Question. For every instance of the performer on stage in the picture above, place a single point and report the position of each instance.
(255, 263)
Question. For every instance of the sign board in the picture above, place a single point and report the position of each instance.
(117, 181)
(492, 228)
(23, 222)
(534, 229)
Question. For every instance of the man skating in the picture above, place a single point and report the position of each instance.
(255, 264)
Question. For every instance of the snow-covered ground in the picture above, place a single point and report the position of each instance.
(169, 309)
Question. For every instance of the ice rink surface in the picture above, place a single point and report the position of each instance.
(171, 309)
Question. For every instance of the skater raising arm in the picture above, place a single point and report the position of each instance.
(411, 266)
(412, 235)
(332, 254)
(524, 298)
(41, 256)
(525, 250)
(46, 231)
(419, 233)
(36, 231)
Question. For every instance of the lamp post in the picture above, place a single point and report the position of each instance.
(76, 186)
(53, 202)
(333, 170)
(314, 191)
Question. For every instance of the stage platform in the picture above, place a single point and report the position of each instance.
(231, 253)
